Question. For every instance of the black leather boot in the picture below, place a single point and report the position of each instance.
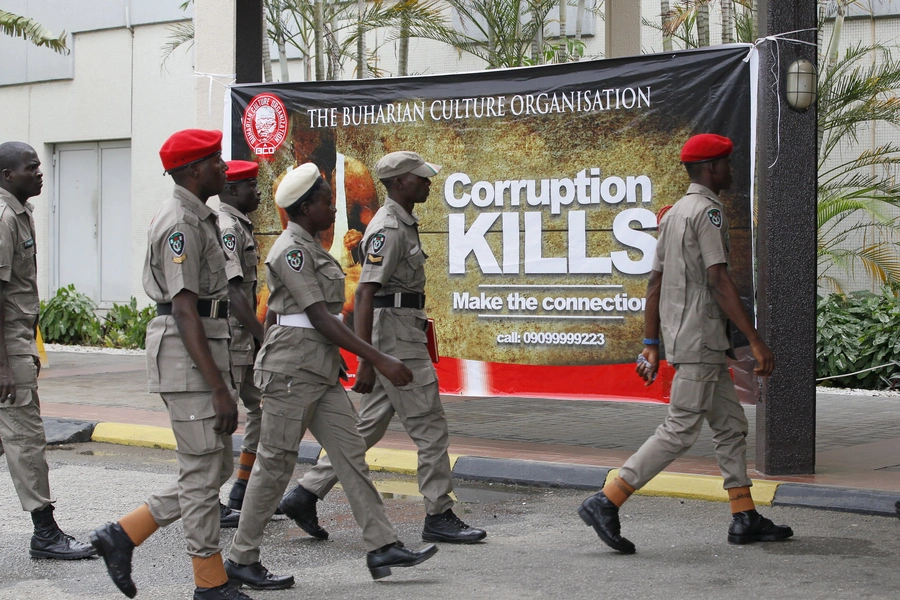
(114, 545)
(236, 495)
(599, 512)
(300, 505)
(49, 541)
(228, 518)
(382, 560)
(447, 527)
(749, 526)
(223, 592)
(256, 576)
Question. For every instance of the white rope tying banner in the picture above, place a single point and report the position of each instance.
(890, 364)
(776, 69)
(213, 78)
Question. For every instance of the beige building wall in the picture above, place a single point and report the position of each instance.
(118, 92)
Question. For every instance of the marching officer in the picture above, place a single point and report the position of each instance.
(389, 314)
(298, 370)
(240, 198)
(693, 297)
(189, 366)
(21, 428)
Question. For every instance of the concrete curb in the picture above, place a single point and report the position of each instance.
(866, 502)
(547, 474)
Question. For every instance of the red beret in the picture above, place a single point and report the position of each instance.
(662, 212)
(239, 170)
(705, 146)
(188, 146)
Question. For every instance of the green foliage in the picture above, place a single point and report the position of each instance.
(37, 34)
(126, 325)
(68, 318)
(857, 332)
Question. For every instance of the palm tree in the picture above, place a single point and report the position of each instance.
(31, 30)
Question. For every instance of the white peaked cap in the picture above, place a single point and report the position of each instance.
(296, 184)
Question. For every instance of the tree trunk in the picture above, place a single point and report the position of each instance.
(361, 70)
(319, 42)
(579, 22)
(702, 24)
(666, 16)
(727, 21)
(282, 59)
(266, 56)
(403, 50)
(563, 46)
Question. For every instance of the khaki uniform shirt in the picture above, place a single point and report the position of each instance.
(299, 273)
(242, 255)
(693, 236)
(184, 252)
(395, 259)
(18, 272)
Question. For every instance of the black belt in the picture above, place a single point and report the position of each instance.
(400, 300)
(214, 309)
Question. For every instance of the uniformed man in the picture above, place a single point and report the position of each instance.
(21, 427)
(297, 370)
(240, 198)
(389, 314)
(693, 297)
(189, 366)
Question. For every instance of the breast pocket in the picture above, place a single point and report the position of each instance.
(416, 265)
(332, 281)
(212, 272)
(25, 259)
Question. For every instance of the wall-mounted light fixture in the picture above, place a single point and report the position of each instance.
(800, 91)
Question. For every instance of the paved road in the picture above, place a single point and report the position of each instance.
(537, 547)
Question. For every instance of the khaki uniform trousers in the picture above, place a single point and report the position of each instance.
(422, 415)
(205, 462)
(251, 397)
(22, 437)
(290, 407)
(699, 391)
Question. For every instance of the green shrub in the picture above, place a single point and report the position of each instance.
(126, 325)
(857, 332)
(68, 318)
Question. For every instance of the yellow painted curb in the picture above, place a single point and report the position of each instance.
(395, 461)
(146, 436)
(399, 489)
(700, 487)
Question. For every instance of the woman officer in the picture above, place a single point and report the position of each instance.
(297, 371)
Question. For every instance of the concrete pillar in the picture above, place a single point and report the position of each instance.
(786, 248)
(214, 53)
(623, 28)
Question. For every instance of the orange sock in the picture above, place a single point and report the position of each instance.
(740, 499)
(617, 491)
(138, 524)
(245, 465)
(209, 572)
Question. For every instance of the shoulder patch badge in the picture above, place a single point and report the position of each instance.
(294, 259)
(715, 217)
(229, 241)
(176, 243)
(377, 242)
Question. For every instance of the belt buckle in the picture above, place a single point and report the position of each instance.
(398, 299)
(214, 309)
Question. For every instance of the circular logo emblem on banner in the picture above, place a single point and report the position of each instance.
(265, 125)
